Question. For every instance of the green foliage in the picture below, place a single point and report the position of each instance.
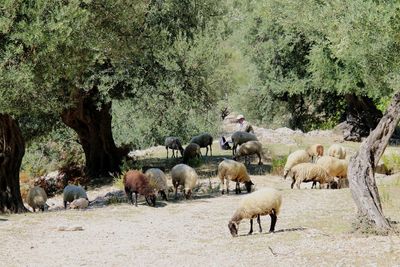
(51, 152)
(392, 161)
(278, 163)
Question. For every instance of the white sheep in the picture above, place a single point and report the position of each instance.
(294, 158)
(231, 170)
(240, 137)
(266, 201)
(337, 151)
(315, 151)
(36, 198)
(173, 143)
(249, 148)
(307, 172)
(186, 176)
(203, 140)
(334, 167)
(159, 180)
(72, 192)
(80, 203)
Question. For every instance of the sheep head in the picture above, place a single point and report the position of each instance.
(233, 228)
(248, 185)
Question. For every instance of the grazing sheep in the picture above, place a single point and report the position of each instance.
(173, 143)
(307, 172)
(266, 201)
(240, 137)
(158, 180)
(250, 148)
(315, 151)
(337, 151)
(334, 167)
(36, 198)
(294, 158)
(186, 176)
(138, 183)
(203, 140)
(191, 151)
(72, 192)
(235, 171)
(80, 203)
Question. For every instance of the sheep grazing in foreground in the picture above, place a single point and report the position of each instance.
(249, 148)
(335, 167)
(173, 143)
(158, 180)
(266, 201)
(36, 198)
(240, 137)
(138, 183)
(337, 151)
(185, 176)
(80, 203)
(72, 192)
(309, 172)
(315, 151)
(294, 158)
(203, 140)
(235, 171)
(191, 151)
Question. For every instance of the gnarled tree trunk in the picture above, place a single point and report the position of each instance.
(12, 150)
(91, 120)
(362, 165)
(362, 117)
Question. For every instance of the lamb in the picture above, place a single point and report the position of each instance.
(240, 137)
(235, 171)
(36, 198)
(203, 140)
(138, 183)
(158, 180)
(250, 148)
(315, 151)
(266, 201)
(72, 192)
(191, 151)
(334, 167)
(80, 203)
(173, 143)
(337, 151)
(307, 172)
(296, 157)
(186, 176)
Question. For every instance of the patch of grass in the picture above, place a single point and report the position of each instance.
(278, 163)
(118, 180)
(392, 161)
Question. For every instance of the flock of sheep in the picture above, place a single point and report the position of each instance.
(302, 165)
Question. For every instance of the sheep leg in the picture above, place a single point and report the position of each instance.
(259, 159)
(65, 204)
(291, 186)
(206, 150)
(34, 210)
(210, 150)
(167, 151)
(298, 185)
(273, 221)
(135, 199)
(227, 186)
(259, 222)
(222, 186)
(163, 195)
(237, 189)
(314, 185)
(251, 227)
(234, 149)
(176, 192)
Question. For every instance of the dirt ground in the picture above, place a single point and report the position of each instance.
(313, 229)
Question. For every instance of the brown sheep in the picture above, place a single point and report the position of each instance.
(138, 183)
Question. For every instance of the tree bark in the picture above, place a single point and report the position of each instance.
(12, 150)
(362, 117)
(90, 118)
(362, 165)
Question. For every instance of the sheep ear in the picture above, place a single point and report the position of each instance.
(251, 182)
